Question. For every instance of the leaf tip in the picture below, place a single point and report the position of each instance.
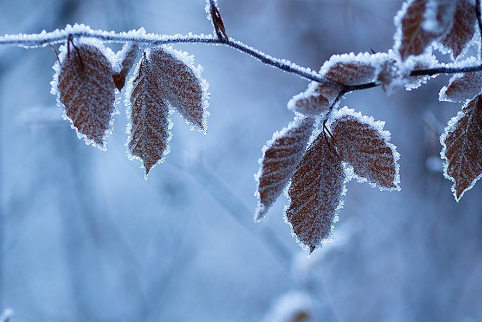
(261, 211)
(312, 249)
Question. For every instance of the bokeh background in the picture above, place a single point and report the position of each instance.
(83, 237)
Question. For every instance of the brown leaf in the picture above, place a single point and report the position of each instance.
(423, 62)
(181, 85)
(392, 75)
(316, 100)
(281, 155)
(363, 144)
(315, 192)
(462, 147)
(86, 90)
(414, 36)
(349, 69)
(149, 115)
(463, 28)
(127, 57)
(462, 87)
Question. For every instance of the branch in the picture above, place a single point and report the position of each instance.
(152, 40)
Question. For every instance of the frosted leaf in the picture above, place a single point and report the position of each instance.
(414, 32)
(418, 63)
(149, 115)
(315, 193)
(349, 69)
(281, 155)
(181, 85)
(316, 100)
(462, 148)
(462, 87)
(462, 30)
(390, 75)
(85, 88)
(126, 58)
(393, 75)
(292, 307)
(439, 15)
(364, 145)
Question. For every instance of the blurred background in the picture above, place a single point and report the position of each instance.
(83, 237)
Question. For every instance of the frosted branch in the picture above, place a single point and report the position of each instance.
(142, 38)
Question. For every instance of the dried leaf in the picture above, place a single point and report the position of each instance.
(316, 100)
(416, 33)
(181, 85)
(315, 193)
(349, 69)
(126, 57)
(362, 143)
(390, 76)
(462, 87)
(149, 115)
(463, 28)
(394, 76)
(86, 90)
(439, 15)
(281, 155)
(421, 62)
(462, 147)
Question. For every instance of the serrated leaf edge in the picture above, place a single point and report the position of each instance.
(127, 102)
(449, 129)
(111, 57)
(386, 135)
